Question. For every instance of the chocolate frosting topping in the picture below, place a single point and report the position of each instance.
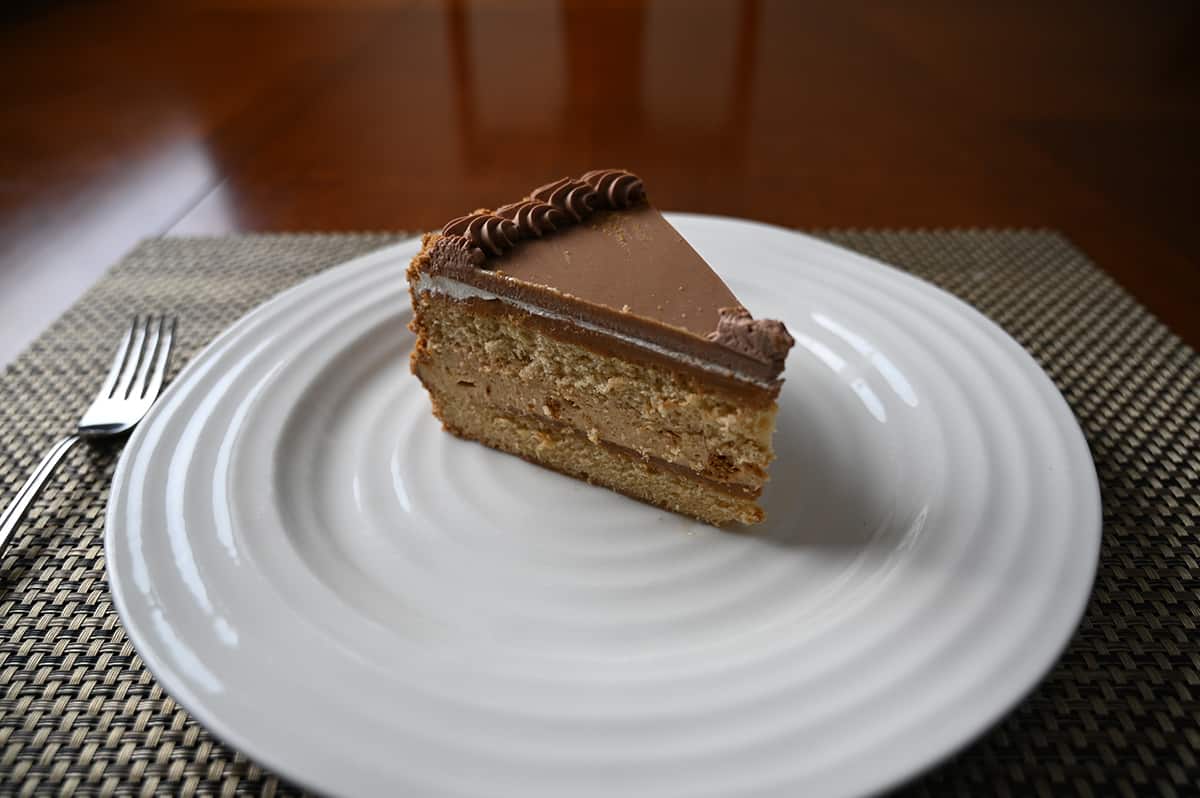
(616, 188)
(460, 252)
(585, 247)
(493, 234)
(534, 218)
(573, 197)
(764, 340)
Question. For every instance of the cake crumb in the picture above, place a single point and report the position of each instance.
(593, 435)
(624, 308)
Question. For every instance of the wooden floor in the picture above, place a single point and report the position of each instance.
(123, 119)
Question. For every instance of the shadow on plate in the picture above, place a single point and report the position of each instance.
(822, 493)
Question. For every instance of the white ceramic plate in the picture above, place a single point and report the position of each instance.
(353, 597)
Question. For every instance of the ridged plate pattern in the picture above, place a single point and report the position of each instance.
(331, 583)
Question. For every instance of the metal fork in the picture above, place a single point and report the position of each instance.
(130, 388)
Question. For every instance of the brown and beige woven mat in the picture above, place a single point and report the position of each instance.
(1120, 714)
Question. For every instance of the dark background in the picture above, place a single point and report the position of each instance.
(123, 119)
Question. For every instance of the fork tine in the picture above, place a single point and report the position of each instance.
(131, 363)
(118, 361)
(154, 331)
(163, 358)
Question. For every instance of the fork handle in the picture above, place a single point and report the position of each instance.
(20, 504)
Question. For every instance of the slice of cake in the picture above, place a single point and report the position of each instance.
(577, 329)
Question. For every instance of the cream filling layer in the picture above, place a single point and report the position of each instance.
(455, 290)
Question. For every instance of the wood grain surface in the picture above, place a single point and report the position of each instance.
(123, 120)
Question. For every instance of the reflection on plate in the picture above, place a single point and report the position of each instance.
(337, 587)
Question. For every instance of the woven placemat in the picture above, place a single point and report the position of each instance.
(79, 713)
